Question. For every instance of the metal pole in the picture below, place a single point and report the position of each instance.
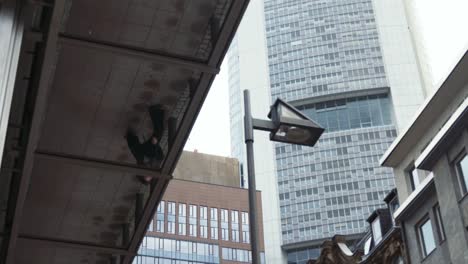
(248, 133)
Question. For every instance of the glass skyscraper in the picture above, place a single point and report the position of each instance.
(350, 66)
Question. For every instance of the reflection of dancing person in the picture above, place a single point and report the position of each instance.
(150, 148)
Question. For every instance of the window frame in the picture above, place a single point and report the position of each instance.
(462, 184)
(439, 223)
(411, 176)
(393, 206)
(376, 222)
(421, 241)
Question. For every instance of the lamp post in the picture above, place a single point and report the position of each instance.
(287, 125)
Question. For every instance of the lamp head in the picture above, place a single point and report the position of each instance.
(291, 126)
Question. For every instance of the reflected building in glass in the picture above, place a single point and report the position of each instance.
(201, 222)
(349, 65)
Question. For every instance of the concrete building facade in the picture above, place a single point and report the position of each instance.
(430, 163)
(203, 216)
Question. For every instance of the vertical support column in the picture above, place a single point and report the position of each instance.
(248, 133)
(11, 36)
(214, 28)
(138, 207)
(125, 234)
(172, 129)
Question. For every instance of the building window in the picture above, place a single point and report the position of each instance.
(367, 246)
(182, 219)
(439, 223)
(224, 234)
(462, 172)
(376, 230)
(393, 205)
(224, 224)
(150, 227)
(344, 114)
(235, 226)
(160, 217)
(203, 221)
(171, 221)
(414, 178)
(214, 223)
(426, 237)
(239, 255)
(245, 228)
(193, 220)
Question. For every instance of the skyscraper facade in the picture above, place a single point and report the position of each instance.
(322, 55)
(350, 66)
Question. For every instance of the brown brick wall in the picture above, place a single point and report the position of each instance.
(210, 195)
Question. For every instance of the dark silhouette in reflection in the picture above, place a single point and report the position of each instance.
(149, 151)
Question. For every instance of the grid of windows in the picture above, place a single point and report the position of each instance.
(239, 255)
(330, 188)
(350, 113)
(303, 255)
(156, 250)
(202, 221)
(311, 57)
(323, 48)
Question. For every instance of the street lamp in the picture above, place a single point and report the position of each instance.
(287, 125)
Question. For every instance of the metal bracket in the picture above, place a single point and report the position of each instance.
(264, 125)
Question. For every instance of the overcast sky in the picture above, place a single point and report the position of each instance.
(443, 24)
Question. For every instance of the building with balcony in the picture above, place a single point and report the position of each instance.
(430, 162)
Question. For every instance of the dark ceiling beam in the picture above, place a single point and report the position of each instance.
(152, 56)
(46, 73)
(228, 31)
(55, 242)
(100, 164)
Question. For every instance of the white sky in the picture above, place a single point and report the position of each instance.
(444, 32)
(210, 133)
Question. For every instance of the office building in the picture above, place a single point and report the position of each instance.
(430, 163)
(350, 66)
(202, 221)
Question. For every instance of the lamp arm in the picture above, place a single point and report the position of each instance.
(265, 125)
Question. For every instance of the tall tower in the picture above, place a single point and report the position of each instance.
(349, 65)
(248, 69)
